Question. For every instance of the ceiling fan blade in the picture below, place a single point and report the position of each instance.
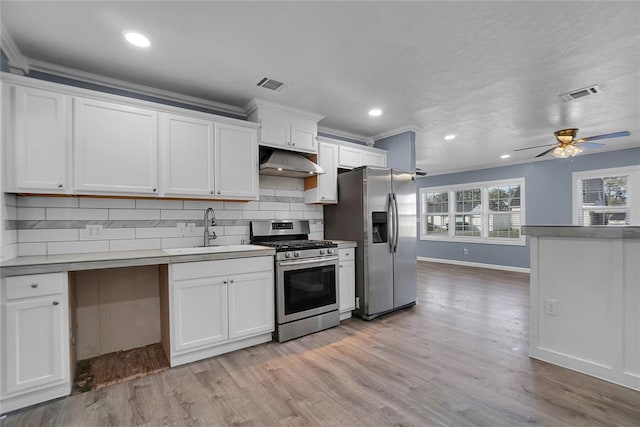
(590, 145)
(605, 136)
(544, 153)
(535, 146)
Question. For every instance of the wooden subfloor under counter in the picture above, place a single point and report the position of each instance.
(459, 358)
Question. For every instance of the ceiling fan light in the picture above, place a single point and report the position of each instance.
(559, 153)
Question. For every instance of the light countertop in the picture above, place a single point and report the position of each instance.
(344, 244)
(92, 261)
(597, 231)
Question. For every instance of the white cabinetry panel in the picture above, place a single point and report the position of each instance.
(186, 153)
(324, 188)
(115, 147)
(236, 167)
(40, 141)
(347, 281)
(200, 317)
(250, 304)
(375, 159)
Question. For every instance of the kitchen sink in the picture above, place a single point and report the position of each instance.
(211, 249)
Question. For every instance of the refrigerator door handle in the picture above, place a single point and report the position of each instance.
(396, 224)
(391, 222)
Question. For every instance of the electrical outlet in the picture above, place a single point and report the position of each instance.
(191, 229)
(181, 229)
(465, 251)
(94, 231)
(551, 307)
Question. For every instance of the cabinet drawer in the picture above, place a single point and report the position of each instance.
(345, 254)
(200, 269)
(34, 285)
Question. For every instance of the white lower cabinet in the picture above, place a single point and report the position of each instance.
(35, 340)
(219, 306)
(347, 281)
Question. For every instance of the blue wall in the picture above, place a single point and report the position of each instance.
(547, 202)
(401, 150)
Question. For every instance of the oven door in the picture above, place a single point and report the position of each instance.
(306, 287)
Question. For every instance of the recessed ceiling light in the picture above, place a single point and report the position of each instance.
(450, 137)
(505, 156)
(136, 39)
(375, 112)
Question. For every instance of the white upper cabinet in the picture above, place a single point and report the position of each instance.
(375, 159)
(323, 188)
(115, 147)
(236, 162)
(286, 128)
(41, 146)
(186, 156)
(354, 155)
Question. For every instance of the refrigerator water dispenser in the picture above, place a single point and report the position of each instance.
(379, 227)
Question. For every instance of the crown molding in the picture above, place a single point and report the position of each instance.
(335, 132)
(397, 131)
(255, 103)
(83, 76)
(17, 62)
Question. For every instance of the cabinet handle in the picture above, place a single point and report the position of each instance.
(322, 197)
(56, 303)
(293, 143)
(218, 191)
(341, 266)
(154, 190)
(224, 281)
(231, 281)
(211, 191)
(34, 285)
(59, 185)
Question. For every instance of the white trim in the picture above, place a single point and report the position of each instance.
(476, 264)
(17, 61)
(255, 103)
(397, 131)
(14, 79)
(366, 139)
(86, 77)
(633, 193)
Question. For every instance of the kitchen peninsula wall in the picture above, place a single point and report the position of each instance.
(57, 225)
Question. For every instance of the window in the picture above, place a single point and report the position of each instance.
(489, 212)
(606, 197)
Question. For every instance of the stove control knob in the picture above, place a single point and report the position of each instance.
(322, 252)
(296, 254)
(330, 251)
(287, 255)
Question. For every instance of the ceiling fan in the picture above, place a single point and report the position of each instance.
(569, 146)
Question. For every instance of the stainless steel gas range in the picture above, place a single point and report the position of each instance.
(306, 277)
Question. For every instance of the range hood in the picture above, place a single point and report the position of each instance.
(287, 163)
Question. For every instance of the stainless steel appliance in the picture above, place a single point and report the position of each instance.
(306, 277)
(377, 208)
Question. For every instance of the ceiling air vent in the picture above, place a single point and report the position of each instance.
(581, 93)
(271, 84)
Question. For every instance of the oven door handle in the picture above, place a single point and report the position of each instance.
(309, 261)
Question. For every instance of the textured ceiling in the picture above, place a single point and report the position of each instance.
(489, 72)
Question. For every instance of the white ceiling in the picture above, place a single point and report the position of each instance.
(489, 72)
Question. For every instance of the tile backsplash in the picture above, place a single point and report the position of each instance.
(58, 225)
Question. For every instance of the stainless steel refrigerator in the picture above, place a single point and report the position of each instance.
(377, 208)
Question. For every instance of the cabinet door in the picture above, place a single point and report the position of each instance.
(236, 166)
(303, 135)
(115, 147)
(41, 141)
(375, 159)
(350, 157)
(36, 343)
(275, 130)
(251, 305)
(347, 278)
(328, 182)
(198, 313)
(186, 153)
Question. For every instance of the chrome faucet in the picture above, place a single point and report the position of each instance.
(208, 236)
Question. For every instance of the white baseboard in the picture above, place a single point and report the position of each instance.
(476, 264)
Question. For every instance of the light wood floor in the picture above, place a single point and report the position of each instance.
(459, 358)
